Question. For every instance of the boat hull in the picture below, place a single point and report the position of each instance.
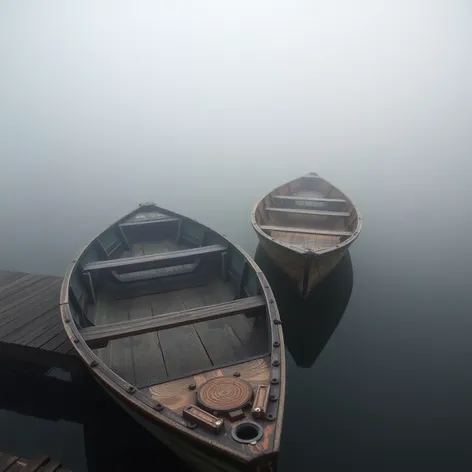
(196, 455)
(305, 270)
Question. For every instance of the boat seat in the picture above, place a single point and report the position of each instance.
(153, 261)
(308, 199)
(99, 336)
(309, 212)
(289, 229)
(148, 222)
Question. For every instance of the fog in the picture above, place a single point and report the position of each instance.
(205, 106)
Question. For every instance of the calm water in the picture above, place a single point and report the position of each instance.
(204, 109)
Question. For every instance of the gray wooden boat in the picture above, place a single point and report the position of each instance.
(181, 328)
(306, 226)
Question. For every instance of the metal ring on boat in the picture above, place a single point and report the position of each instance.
(247, 432)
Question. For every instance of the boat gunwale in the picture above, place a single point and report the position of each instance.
(128, 393)
(308, 253)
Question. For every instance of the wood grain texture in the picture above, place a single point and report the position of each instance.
(34, 327)
(181, 347)
(176, 394)
(30, 305)
(28, 313)
(313, 242)
(308, 199)
(30, 321)
(289, 229)
(28, 296)
(148, 360)
(309, 212)
(6, 461)
(97, 334)
(7, 276)
(17, 284)
(149, 222)
(220, 342)
(154, 260)
(121, 350)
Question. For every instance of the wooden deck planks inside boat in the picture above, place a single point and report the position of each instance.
(31, 329)
(148, 360)
(171, 353)
(306, 241)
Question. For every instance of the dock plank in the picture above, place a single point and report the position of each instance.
(36, 464)
(7, 275)
(36, 327)
(11, 279)
(18, 318)
(19, 285)
(26, 295)
(6, 461)
(63, 347)
(11, 463)
(46, 336)
(28, 310)
(30, 325)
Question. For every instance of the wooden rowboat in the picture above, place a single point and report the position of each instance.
(181, 328)
(306, 226)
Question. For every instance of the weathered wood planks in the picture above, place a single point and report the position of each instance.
(308, 199)
(308, 212)
(291, 229)
(30, 326)
(154, 261)
(11, 463)
(97, 335)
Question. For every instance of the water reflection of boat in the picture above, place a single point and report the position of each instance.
(309, 323)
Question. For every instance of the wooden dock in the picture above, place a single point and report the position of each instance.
(10, 463)
(30, 325)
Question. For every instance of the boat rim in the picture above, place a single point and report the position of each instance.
(306, 252)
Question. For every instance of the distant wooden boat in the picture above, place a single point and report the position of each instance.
(181, 328)
(306, 226)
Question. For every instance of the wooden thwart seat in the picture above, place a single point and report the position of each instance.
(99, 336)
(153, 261)
(288, 229)
(149, 222)
(309, 199)
(309, 212)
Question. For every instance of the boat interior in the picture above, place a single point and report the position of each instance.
(308, 213)
(161, 298)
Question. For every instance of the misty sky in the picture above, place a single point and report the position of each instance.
(191, 103)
